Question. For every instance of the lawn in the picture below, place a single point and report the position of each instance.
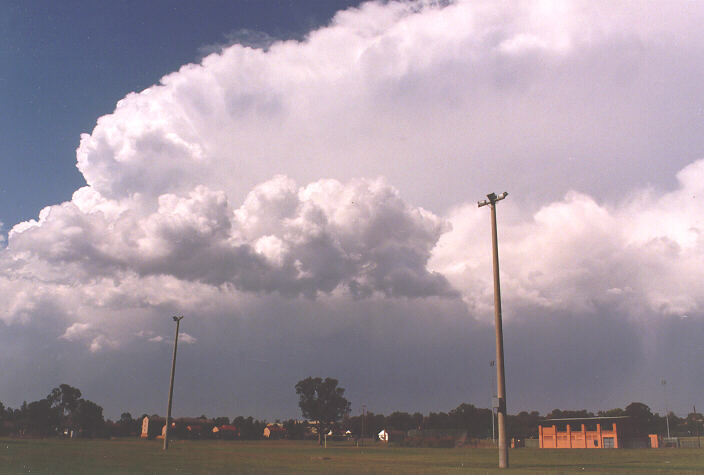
(136, 456)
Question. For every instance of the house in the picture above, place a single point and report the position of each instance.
(153, 427)
(391, 435)
(274, 431)
(183, 428)
(193, 428)
(226, 431)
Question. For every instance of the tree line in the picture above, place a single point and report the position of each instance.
(324, 402)
(64, 412)
(477, 421)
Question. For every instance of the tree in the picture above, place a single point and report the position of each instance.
(75, 412)
(642, 420)
(5, 416)
(524, 424)
(617, 412)
(477, 422)
(64, 397)
(249, 428)
(692, 424)
(126, 418)
(400, 421)
(322, 401)
(295, 430)
(65, 400)
(438, 420)
(126, 425)
(88, 418)
(38, 418)
(221, 421)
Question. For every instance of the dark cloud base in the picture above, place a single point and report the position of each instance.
(406, 355)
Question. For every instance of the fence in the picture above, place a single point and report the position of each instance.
(688, 442)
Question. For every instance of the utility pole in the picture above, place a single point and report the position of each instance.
(171, 384)
(493, 429)
(491, 200)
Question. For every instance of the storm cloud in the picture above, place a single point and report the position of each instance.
(318, 197)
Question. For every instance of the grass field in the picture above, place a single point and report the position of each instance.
(136, 456)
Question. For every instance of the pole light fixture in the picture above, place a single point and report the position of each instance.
(171, 385)
(491, 200)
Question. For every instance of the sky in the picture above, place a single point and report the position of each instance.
(300, 181)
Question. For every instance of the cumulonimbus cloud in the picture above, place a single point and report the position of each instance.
(439, 100)
(194, 185)
(295, 241)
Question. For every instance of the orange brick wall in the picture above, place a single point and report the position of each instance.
(551, 438)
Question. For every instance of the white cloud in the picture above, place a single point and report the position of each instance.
(86, 332)
(360, 236)
(100, 342)
(641, 255)
(180, 196)
(186, 338)
(245, 184)
(76, 331)
(460, 94)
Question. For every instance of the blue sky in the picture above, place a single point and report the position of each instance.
(64, 64)
(299, 179)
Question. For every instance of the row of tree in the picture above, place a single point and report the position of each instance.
(323, 401)
(477, 422)
(64, 412)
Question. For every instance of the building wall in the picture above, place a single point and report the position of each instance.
(552, 438)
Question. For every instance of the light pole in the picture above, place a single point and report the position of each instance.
(696, 423)
(171, 384)
(364, 415)
(491, 200)
(667, 415)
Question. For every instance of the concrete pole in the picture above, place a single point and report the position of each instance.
(493, 423)
(171, 385)
(500, 377)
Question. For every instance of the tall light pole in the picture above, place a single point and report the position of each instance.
(364, 415)
(667, 413)
(171, 384)
(491, 200)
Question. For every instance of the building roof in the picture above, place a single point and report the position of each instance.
(595, 419)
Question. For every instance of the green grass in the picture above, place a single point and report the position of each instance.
(137, 456)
